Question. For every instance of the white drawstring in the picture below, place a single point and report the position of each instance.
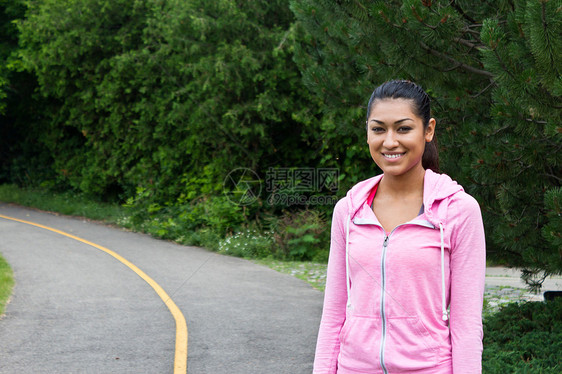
(347, 275)
(443, 296)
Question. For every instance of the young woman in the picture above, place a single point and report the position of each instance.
(407, 260)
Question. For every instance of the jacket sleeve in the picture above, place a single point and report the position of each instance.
(468, 272)
(335, 297)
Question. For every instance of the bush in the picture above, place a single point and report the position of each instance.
(249, 243)
(302, 235)
(524, 338)
(173, 220)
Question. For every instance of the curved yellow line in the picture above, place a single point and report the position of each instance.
(180, 360)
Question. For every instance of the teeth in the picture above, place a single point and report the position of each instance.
(393, 156)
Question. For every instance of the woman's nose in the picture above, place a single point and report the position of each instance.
(390, 140)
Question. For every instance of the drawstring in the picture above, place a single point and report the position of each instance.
(347, 276)
(443, 296)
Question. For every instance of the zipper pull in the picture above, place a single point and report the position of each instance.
(385, 243)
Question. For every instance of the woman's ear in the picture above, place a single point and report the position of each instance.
(430, 130)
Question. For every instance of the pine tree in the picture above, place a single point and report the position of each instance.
(522, 162)
(493, 71)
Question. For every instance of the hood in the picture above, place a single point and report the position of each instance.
(436, 187)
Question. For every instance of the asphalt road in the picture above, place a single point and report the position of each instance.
(504, 277)
(76, 309)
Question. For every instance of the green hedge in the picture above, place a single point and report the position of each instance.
(524, 338)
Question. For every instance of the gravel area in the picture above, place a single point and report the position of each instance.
(315, 274)
(497, 296)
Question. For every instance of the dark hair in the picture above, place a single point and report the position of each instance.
(403, 89)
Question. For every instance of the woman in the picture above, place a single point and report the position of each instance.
(406, 246)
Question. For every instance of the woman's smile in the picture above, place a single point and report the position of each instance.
(393, 156)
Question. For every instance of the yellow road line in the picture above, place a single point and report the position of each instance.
(180, 360)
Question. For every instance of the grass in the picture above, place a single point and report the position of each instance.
(310, 272)
(6, 283)
(64, 203)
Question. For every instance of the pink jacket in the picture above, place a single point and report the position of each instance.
(387, 297)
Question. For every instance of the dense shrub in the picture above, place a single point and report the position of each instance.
(165, 95)
(202, 221)
(301, 235)
(524, 338)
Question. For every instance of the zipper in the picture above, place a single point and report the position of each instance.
(383, 296)
(367, 221)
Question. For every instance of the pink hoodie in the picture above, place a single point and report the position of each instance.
(386, 299)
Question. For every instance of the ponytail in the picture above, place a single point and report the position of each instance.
(430, 158)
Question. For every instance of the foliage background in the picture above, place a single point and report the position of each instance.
(152, 103)
(494, 74)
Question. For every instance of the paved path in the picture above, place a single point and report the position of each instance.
(504, 286)
(75, 309)
(500, 276)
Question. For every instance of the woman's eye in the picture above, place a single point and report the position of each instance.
(377, 129)
(404, 129)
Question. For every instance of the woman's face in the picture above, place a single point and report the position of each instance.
(396, 136)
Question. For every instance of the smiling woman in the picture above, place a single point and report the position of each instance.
(405, 281)
(6, 283)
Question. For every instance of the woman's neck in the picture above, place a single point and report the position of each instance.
(410, 184)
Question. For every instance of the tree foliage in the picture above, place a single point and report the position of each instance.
(493, 72)
(154, 102)
(165, 95)
(21, 157)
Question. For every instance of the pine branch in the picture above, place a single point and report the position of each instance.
(459, 9)
(503, 65)
(467, 43)
(491, 5)
(545, 27)
(521, 172)
(280, 46)
(553, 176)
(461, 65)
(484, 90)
(505, 127)
(427, 24)
(535, 121)
(361, 6)
(454, 67)
(509, 251)
(234, 140)
(475, 33)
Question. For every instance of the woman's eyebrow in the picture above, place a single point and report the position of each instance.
(399, 121)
